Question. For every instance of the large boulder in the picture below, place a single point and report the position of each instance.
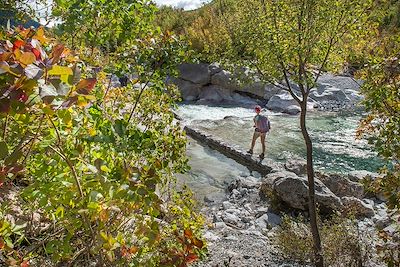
(284, 102)
(257, 89)
(271, 90)
(357, 207)
(195, 73)
(214, 94)
(223, 79)
(341, 186)
(329, 94)
(189, 91)
(293, 191)
(280, 102)
(342, 82)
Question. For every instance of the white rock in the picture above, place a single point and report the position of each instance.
(211, 237)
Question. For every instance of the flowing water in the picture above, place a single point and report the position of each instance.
(335, 147)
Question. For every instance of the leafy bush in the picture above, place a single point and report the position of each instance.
(99, 161)
(342, 242)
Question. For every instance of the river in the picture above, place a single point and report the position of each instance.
(336, 148)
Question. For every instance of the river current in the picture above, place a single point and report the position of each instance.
(336, 148)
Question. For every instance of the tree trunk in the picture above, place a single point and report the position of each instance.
(319, 261)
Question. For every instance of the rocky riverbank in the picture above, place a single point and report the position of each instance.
(241, 230)
(210, 84)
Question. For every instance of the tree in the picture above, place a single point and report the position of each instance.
(382, 127)
(99, 161)
(290, 43)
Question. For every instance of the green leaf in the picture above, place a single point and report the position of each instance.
(3, 150)
(14, 157)
(63, 72)
(47, 92)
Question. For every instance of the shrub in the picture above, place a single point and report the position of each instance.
(342, 242)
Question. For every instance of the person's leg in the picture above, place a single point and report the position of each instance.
(253, 142)
(262, 137)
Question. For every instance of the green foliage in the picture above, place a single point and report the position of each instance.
(343, 244)
(382, 127)
(100, 162)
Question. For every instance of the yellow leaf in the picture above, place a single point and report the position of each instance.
(27, 58)
(40, 36)
(92, 132)
(63, 72)
(104, 168)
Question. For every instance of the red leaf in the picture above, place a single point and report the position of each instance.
(22, 97)
(25, 263)
(36, 53)
(85, 86)
(2, 244)
(191, 258)
(18, 44)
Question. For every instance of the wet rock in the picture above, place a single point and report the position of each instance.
(357, 207)
(298, 166)
(292, 110)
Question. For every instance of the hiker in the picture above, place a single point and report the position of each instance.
(262, 126)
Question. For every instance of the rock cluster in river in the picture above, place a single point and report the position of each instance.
(210, 84)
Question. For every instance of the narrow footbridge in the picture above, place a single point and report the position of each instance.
(253, 163)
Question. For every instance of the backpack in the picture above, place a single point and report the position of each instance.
(263, 124)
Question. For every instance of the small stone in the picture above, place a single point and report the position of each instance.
(235, 192)
(207, 199)
(232, 238)
(227, 205)
(220, 225)
(230, 218)
(209, 236)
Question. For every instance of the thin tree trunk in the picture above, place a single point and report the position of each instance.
(319, 261)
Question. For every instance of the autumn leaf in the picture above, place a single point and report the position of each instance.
(25, 263)
(5, 56)
(85, 86)
(56, 53)
(27, 58)
(17, 44)
(40, 36)
(191, 258)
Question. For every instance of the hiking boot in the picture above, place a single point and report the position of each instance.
(250, 151)
(261, 156)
